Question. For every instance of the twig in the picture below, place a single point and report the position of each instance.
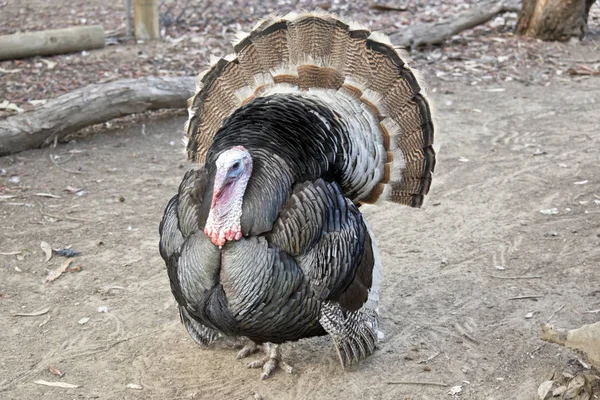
(533, 296)
(555, 312)
(388, 7)
(538, 348)
(63, 168)
(65, 160)
(430, 358)
(64, 217)
(417, 383)
(465, 334)
(592, 311)
(517, 277)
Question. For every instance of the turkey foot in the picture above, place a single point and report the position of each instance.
(270, 361)
(248, 349)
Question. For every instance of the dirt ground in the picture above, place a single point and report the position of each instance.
(518, 135)
(506, 154)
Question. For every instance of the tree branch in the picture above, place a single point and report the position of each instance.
(437, 32)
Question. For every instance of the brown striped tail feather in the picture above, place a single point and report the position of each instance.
(312, 51)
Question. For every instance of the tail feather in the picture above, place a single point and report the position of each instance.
(308, 52)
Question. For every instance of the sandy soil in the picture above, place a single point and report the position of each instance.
(506, 153)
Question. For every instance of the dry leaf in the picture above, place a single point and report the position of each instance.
(55, 371)
(55, 273)
(44, 322)
(47, 251)
(63, 385)
(33, 314)
(50, 64)
(76, 268)
(83, 320)
(544, 391)
(72, 189)
(6, 105)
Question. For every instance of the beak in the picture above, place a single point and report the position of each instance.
(221, 180)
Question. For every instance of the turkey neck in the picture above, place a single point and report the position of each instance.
(291, 139)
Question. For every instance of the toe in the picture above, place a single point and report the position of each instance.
(268, 368)
(258, 363)
(247, 350)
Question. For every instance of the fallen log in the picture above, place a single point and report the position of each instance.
(47, 43)
(585, 339)
(91, 105)
(438, 32)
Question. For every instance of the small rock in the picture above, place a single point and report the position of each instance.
(550, 211)
(103, 309)
(83, 320)
(134, 386)
(529, 315)
(455, 390)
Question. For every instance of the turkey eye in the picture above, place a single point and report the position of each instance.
(235, 165)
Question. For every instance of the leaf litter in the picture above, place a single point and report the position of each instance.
(47, 249)
(57, 272)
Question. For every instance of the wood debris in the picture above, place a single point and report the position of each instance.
(33, 314)
(50, 195)
(585, 339)
(63, 385)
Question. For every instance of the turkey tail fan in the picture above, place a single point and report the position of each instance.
(316, 54)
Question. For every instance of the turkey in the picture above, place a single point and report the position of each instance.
(311, 118)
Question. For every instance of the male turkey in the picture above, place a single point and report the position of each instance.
(310, 118)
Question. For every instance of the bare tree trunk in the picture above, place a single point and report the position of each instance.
(90, 105)
(554, 19)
